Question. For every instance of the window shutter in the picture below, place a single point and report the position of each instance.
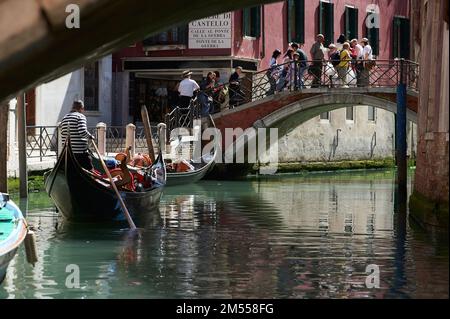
(347, 23)
(246, 22)
(326, 21)
(291, 20)
(330, 24)
(396, 38)
(404, 35)
(300, 21)
(321, 11)
(354, 24)
(256, 21)
(373, 34)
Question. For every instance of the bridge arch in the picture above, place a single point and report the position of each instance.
(296, 113)
(299, 112)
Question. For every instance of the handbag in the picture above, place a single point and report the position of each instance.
(370, 64)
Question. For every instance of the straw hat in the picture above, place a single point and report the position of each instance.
(186, 73)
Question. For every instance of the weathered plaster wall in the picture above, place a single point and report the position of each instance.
(319, 140)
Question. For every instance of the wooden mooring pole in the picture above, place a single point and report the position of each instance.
(401, 152)
(4, 113)
(22, 141)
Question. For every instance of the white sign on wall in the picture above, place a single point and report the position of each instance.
(211, 33)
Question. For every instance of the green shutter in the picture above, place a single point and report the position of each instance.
(396, 38)
(296, 21)
(351, 23)
(291, 20)
(347, 23)
(404, 38)
(300, 21)
(329, 37)
(321, 10)
(246, 22)
(326, 21)
(354, 24)
(373, 34)
(256, 21)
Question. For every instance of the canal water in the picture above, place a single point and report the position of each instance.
(292, 236)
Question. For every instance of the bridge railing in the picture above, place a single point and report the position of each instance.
(295, 76)
(182, 117)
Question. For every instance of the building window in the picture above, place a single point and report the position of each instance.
(372, 32)
(326, 21)
(401, 38)
(372, 114)
(173, 36)
(351, 23)
(251, 22)
(296, 21)
(325, 116)
(91, 78)
(349, 113)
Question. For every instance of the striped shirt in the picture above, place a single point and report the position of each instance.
(79, 134)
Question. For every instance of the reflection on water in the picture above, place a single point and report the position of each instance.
(285, 237)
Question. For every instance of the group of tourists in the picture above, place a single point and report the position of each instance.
(211, 92)
(342, 64)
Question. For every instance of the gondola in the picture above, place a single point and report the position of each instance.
(13, 230)
(81, 196)
(201, 168)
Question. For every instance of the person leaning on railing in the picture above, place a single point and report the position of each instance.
(236, 94)
(273, 72)
(303, 65)
(205, 96)
(343, 67)
(317, 55)
(356, 52)
(368, 62)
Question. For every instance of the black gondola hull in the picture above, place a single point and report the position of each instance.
(79, 197)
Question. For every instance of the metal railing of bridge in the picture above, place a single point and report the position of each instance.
(302, 76)
(182, 117)
(42, 141)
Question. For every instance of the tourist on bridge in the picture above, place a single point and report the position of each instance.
(343, 66)
(187, 88)
(236, 94)
(74, 125)
(340, 42)
(367, 55)
(205, 96)
(294, 46)
(220, 92)
(356, 52)
(317, 55)
(334, 59)
(303, 65)
(273, 72)
(285, 75)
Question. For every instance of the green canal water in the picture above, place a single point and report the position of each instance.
(293, 236)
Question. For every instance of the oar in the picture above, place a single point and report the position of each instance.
(148, 132)
(113, 185)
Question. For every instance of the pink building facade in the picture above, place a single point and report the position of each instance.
(247, 38)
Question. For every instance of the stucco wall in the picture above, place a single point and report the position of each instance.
(54, 99)
(316, 139)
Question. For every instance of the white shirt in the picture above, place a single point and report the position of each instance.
(187, 87)
(360, 51)
(368, 50)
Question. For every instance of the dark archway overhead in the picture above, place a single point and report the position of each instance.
(36, 46)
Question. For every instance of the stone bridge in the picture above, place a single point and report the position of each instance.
(287, 109)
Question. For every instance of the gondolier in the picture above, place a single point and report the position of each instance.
(74, 124)
(187, 89)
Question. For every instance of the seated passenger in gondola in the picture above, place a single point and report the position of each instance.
(74, 125)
